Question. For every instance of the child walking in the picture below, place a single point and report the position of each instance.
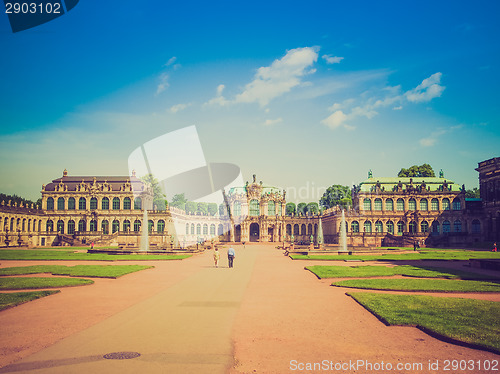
(216, 257)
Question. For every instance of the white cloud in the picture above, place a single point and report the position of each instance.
(277, 79)
(270, 122)
(332, 59)
(429, 89)
(163, 85)
(171, 61)
(178, 107)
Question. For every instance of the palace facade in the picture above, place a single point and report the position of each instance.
(115, 211)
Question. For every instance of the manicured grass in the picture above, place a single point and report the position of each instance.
(9, 300)
(29, 254)
(436, 285)
(99, 271)
(471, 321)
(325, 271)
(423, 255)
(24, 283)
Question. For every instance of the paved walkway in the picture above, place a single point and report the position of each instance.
(267, 315)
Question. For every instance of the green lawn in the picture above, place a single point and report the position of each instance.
(9, 300)
(437, 285)
(423, 255)
(325, 271)
(99, 271)
(467, 320)
(23, 283)
(29, 254)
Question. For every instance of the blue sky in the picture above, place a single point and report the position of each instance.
(305, 95)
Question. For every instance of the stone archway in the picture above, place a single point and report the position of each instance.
(254, 232)
(237, 234)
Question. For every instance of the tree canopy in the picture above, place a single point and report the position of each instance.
(472, 194)
(290, 209)
(336, 195)
(179, 201)
(424, 170)
(158, 196)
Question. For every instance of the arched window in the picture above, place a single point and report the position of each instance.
(198, 229)
(412, 204)
(254, 208)
(400, 205)
(60, 203)
(237, 208)
(192, 229)
(295, 229)
(160, 226)
(446, 226)
(220, 229)
(105, 227)
(71, 203)
(116, 226)
(93, 225)
(150, 226)
(368, 226)
(127, 203)
(24, 225)
(82, 203)
(289, 229)
(401, 227)
(212, 229)
(93, 204)
(424, 204)
(476, 226)
(378, 204)
(435, 228)
(434, 204)
(413, 227)
(49, 226)
(271, 208)
(303, 230)
(309, 229)
(457, 226)
(446, 204)
(116, 203)
(137, 225)
(60, 226)
(457, 204)
(367, 204)
(126, 225)
(390, 227)
(424, 226)
(50, 203)
(354, 226)
(279, 208)
(389, 204)
(105, 203)
(71, 227)
(378, 226)
(187, 228)
(137, 203)
(205, 229)
(82, 225)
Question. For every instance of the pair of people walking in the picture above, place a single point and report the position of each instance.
(231, 254)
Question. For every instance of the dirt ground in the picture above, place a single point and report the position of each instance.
(287, 320)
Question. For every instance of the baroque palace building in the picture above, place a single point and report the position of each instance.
(115, 211)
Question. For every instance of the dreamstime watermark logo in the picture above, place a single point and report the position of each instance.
(177, 161)
(25, 14)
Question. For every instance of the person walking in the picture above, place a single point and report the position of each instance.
(494, 247)
(230, 256)
(216, 257)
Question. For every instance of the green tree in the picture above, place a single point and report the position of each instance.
(191, 207)
(179, 201)
(424, 170)
(212, 209)
(301, 209)
(336, 195)
(290, 209)
(203, 208)
(222, 210)
(158, 195)
(472, 194)
(312, 208)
